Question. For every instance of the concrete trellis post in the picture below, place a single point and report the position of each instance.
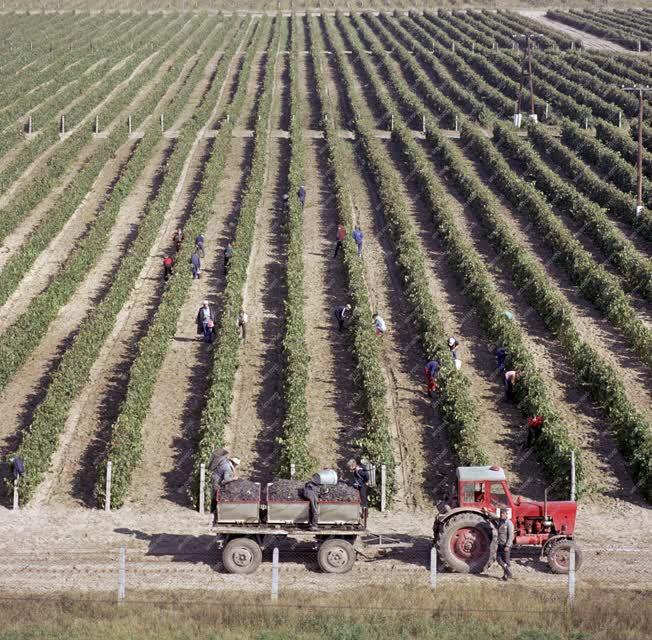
(15, 505)
(457, 123)
(586, 122)
(62, 126)
(162, 123)
(383, 487)
(572, 478)
(107, 489)
(129, 123)
(293, 470)
(547, 110)
(122, 575)
(433, 568)
(423, 123)
(202, 487)
(29, 124)
(97, 124)
(453, 47)
(620, 119)
(391, 123)
(571, 576)
(275, 575)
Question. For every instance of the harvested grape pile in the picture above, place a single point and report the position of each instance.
(293, 490)
(238, 490)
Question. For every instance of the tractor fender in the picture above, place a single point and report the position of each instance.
(549, 542)
(442, 518)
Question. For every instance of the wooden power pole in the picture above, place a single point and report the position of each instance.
(639, 163)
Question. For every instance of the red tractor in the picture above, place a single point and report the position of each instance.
(465, 537)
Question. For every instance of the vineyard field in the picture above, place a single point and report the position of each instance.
(118, 128)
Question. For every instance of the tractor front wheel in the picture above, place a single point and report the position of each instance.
(559, 556)
(467, 543)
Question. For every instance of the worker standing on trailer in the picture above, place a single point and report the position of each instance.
(177, 238)
(360, 481)
(206, 321)
(431, 371)
(199, 245)
(342, 314)
(358, 237)
(168, 266)
(228, 254)
(311, 493)
(301, 193)
(339, 237)
(225, 471)
(534, 428)
(242, 321)
(195, 265)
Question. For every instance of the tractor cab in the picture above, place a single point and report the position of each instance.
(483, 488)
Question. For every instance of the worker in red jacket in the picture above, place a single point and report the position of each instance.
(341, 235)
(168, 264)
(534, 428)
(431, 371)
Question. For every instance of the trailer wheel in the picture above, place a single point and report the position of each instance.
(467, 543)
(559, 556)
(242, 555)
(336, 556)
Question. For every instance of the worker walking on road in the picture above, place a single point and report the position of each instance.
(168, 267)
(431, 371)
(224, 472)
(199, 245)
(360, 481)
(301, 193)
(379, 325)
(177, 238)
(195, 263)
(242, 321)
(534, 428)
(505, 541)
(311, 493)
(357, 237)
(342, 315)
(228, 254)
(206, 322)
(339, 237)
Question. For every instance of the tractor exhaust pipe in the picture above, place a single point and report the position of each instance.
(545, 505)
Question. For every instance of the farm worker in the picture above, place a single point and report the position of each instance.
(359, 481)
(454, 347)
(501, 356)
(216, 459)
(311, 493)
(302, 196)
(243, 319)
(168, 264)
(286, 204)
(379, 325)
(431, 371)
(341, 234)
(199, 245)
(510, 381)
(358, 236)
(505, 541)
(204, 317)
(508, 315)
(178, 239)
(195, 265)
(228, 254)
(225, 471)
(534, 428)
(342, 314)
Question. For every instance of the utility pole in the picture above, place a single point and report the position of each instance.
(527, 60)
(639, 164)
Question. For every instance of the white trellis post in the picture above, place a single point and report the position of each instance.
(29, 124)
(202, 487)
(572, 471)
(453, 47)
(122, 575)
(97, 124)
(586, 122)
(547, 110)
(275, 575)
(457, 123)
(107, 490)
(63, 124)
(15, 505)
(391, 123)
(293, 470)
(433, 567)
(620, 119)
(162, 123)
(423, 125)
(571, 575)
(129, 123)
(383, 487)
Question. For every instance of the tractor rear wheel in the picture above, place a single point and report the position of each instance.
(467, 543)
(242, 555)
(559, 556)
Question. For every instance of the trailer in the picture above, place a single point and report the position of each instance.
(247, 522)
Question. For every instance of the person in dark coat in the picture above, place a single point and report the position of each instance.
(224, 471)
(199, 245)
(195, 263)
(302, 196)
(360, 481)
(342, 314)
(501, 357)
(311, 493)
(177, 238)
(205, 321)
